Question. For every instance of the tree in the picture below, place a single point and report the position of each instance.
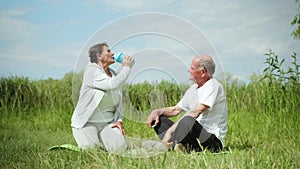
(296, 22)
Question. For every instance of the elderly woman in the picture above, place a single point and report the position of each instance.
(97, 118)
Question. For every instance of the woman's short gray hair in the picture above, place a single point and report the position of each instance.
(94, 50)
(207, 63)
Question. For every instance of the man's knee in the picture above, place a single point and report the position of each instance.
(187, 121)
(184, 129)
(163, 118)
(165, 121)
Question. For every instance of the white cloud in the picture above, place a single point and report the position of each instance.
(15, 29)
(153, 30)
(125, 5)
(27, 44)
(245, 29)
(13, 12)
(241, 31)
(25, 54)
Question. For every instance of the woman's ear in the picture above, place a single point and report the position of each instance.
(99, 57)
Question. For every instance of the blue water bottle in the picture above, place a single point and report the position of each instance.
(119, 58)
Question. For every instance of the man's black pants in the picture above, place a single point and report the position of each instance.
(189, 133)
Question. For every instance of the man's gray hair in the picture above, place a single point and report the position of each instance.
(207, 63)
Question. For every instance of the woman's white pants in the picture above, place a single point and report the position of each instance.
(94, 136)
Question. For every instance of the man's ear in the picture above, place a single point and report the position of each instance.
(203, 72)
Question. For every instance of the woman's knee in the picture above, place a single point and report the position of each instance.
(86, 138)
(112, 139)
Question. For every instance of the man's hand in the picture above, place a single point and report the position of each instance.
(154, 116)
(167, 139)
(119, 125)
(166, 111)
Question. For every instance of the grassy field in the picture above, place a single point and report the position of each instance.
(263, 124)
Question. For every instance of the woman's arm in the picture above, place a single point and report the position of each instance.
(100, 80)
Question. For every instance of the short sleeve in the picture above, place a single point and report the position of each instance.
(208, 95)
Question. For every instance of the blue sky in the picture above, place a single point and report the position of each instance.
(48, 38)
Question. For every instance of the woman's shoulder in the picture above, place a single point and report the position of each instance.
(93, 66)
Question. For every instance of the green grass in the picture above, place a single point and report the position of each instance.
(253, 141)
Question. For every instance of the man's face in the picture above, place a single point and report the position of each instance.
(195, 72)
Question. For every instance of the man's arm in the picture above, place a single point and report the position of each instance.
(197, 110)
(167, 111)
(170, 111)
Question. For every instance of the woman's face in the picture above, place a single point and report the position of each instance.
(106, 57)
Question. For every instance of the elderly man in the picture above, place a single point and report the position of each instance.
(204, 125)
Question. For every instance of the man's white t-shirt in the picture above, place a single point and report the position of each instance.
(215, 118)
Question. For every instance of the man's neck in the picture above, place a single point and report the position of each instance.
(203, 82)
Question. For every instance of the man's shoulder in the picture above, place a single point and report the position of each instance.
(213, 84)
(193, 86)
(214, 81)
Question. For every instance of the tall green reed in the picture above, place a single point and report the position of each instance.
(19, 95)
(145, 96)
(275, 91)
